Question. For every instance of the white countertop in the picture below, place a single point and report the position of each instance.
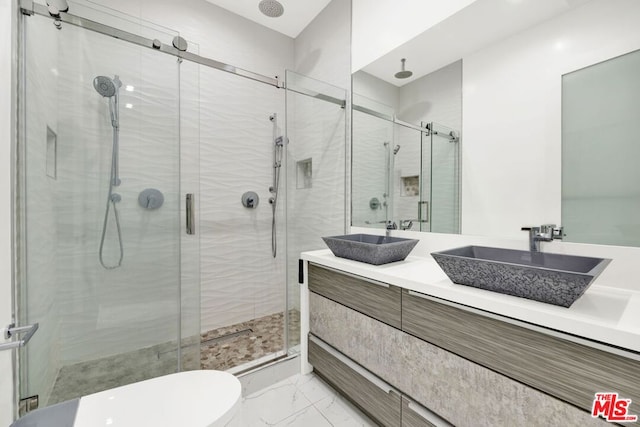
(604, 314)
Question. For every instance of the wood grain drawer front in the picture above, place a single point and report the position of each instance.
(372, 395)
(375, 300)
(415, 415)
(569, 371)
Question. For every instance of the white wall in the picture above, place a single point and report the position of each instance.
(323, 48)
(6, 88)
(380, 28)
(436, 97)
(511, 165)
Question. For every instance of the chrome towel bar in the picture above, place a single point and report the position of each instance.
(12, 330)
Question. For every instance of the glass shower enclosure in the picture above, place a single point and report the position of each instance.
(100, 224)
(134, 252)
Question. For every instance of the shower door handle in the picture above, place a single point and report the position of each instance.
(191, 212)
(12, 330)
(423, 207)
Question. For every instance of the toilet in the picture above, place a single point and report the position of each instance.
(186, 399)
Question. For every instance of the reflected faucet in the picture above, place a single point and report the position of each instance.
(406, 224)
(544, 233)
(390, 226)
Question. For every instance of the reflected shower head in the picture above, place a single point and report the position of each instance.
(403, 74)
(396, 149)
(271, 8)
(104, 86)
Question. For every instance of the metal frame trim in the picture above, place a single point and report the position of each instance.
(27, 7)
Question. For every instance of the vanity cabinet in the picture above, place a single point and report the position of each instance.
(567, 370)
(431, 381)
(375, 299)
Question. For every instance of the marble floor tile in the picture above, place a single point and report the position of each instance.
(341, 413)
(301, 400)
(313, 387)
(308, 417)
(273, 404)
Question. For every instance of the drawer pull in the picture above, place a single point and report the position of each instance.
(419, 295)
(353, 365)
(428, 415)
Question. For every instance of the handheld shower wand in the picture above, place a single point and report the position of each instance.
(109, 88)
(278, 148)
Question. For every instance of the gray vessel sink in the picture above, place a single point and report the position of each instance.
(546, 277)
(369, 248)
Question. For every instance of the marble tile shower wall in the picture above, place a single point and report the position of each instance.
(240, 278)
(106, 312)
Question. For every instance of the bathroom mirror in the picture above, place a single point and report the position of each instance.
(508, 59)
(600, 152)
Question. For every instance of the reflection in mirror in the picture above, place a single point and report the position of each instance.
(405, 165)
(511, 56)
(600, 152)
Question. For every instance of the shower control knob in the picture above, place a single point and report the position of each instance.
(150, 198)
(250, 200)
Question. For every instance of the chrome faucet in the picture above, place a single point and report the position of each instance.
(390, 226)
(544, 233)
(406, 224)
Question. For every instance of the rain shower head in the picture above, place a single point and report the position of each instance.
(403, 74)
(271, 8)
(104, 86)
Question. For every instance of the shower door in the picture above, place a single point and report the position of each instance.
(243, 290)
(439, 205)
(99, 222)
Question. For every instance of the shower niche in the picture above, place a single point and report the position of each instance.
(410, 186)
(304, 173)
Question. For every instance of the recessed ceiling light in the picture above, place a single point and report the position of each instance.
(129, 88)
(271, 8)
(128, 106)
